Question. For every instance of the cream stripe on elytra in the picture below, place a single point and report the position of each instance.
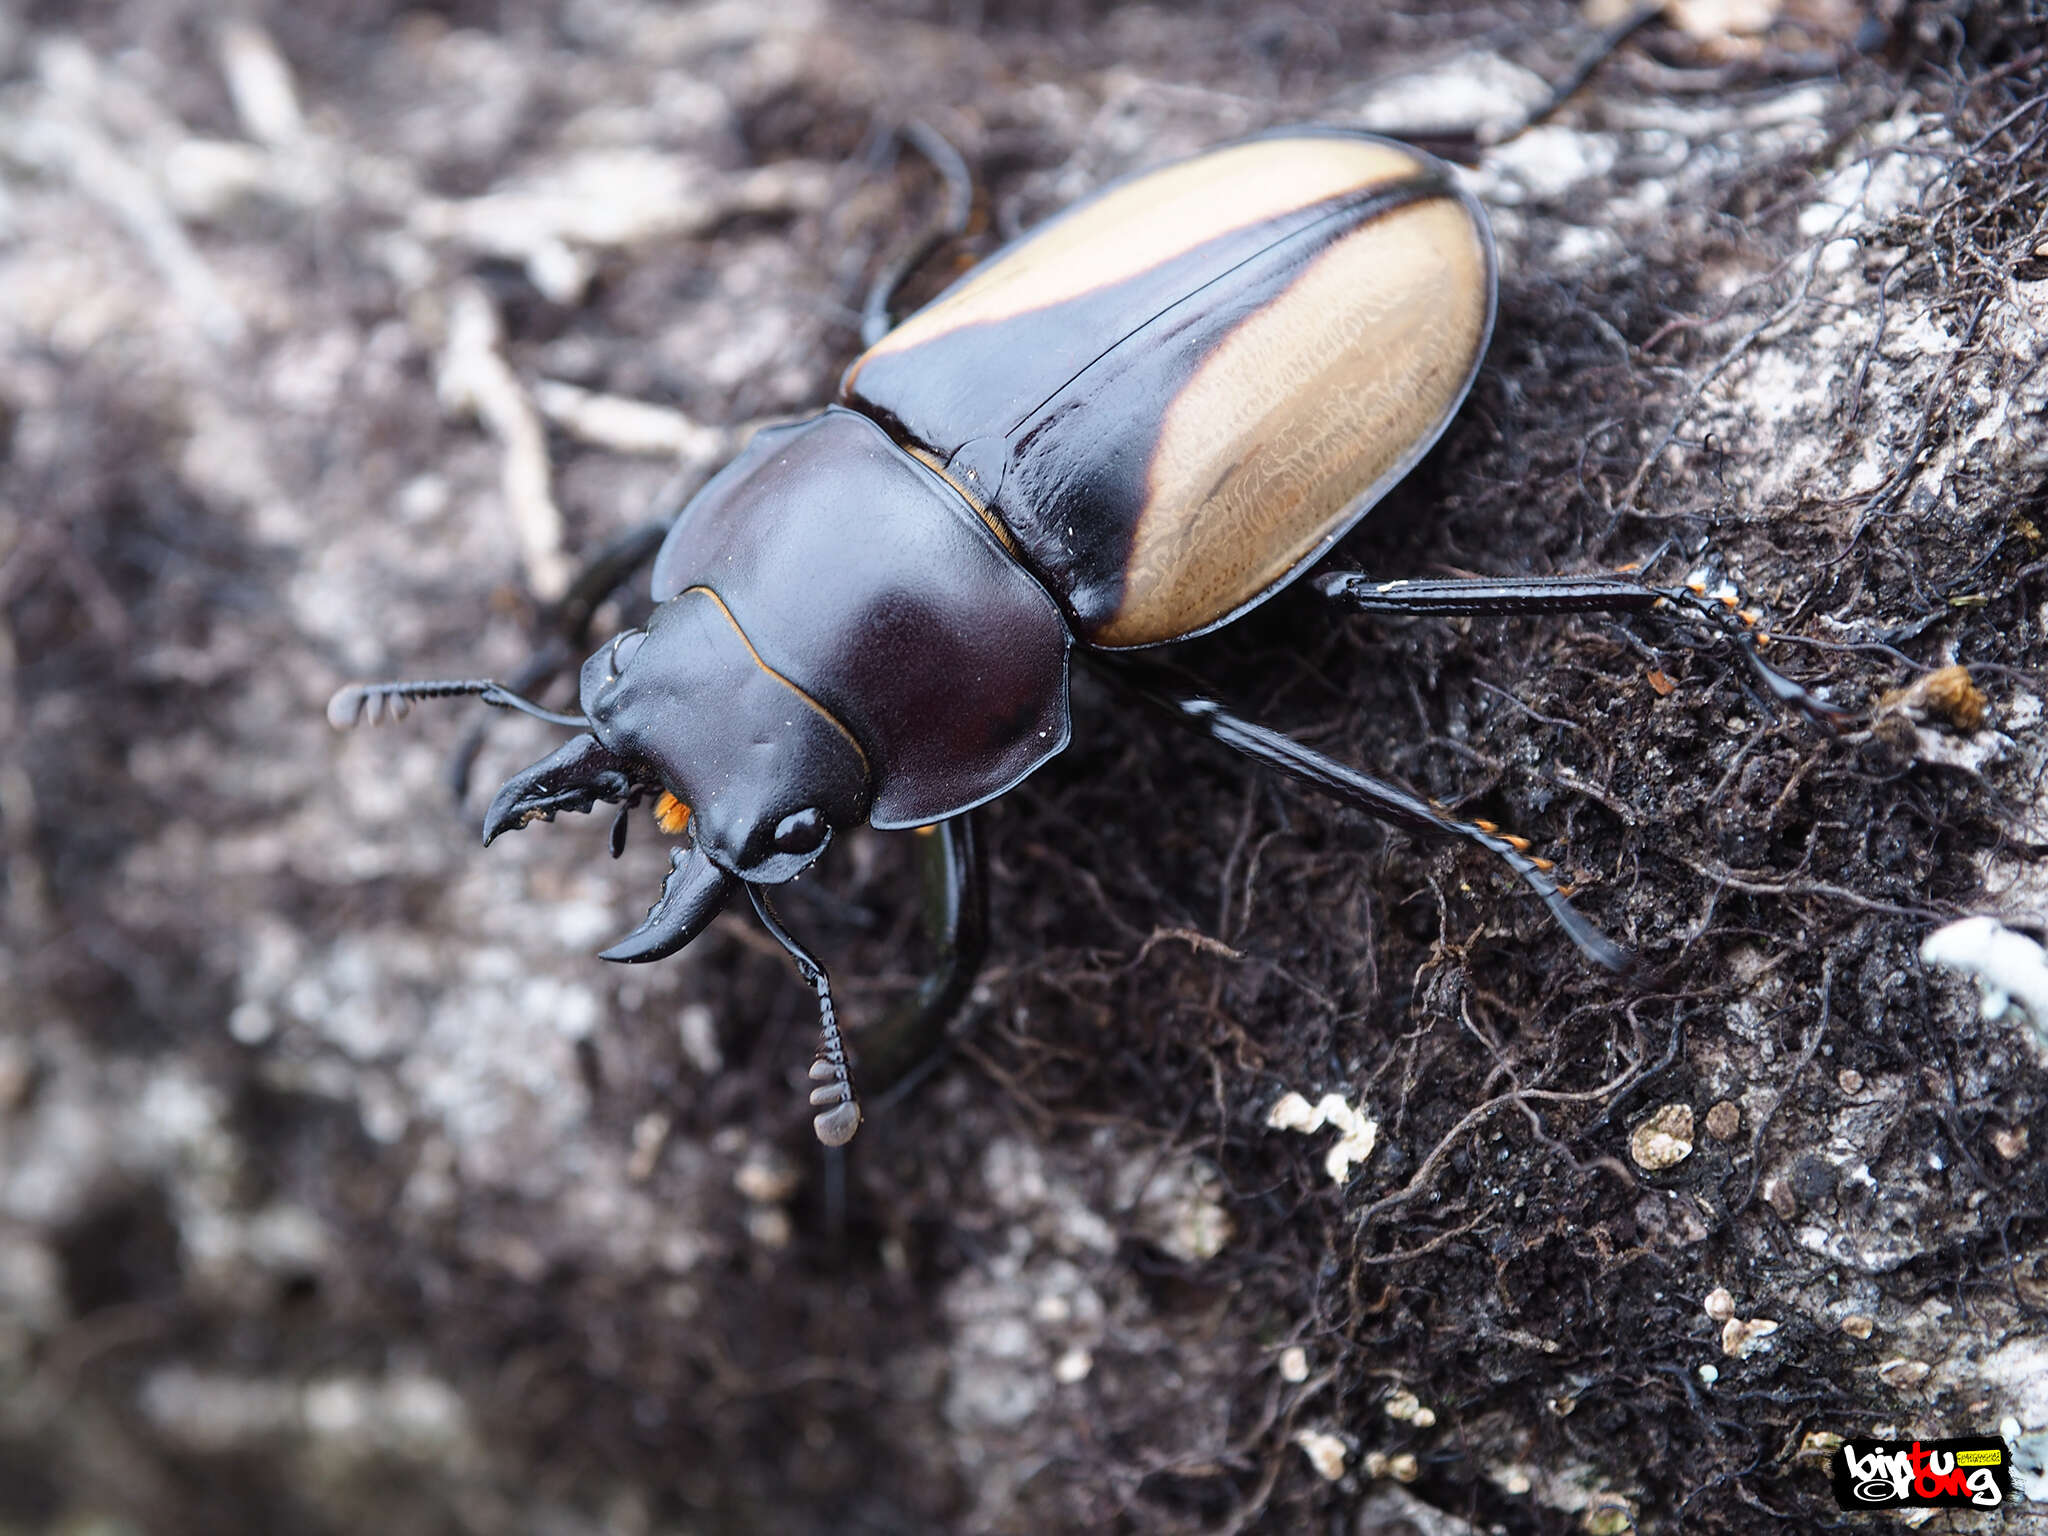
(1322, 397)
(1134, 228)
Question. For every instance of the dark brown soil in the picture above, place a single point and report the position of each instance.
(341, 1189)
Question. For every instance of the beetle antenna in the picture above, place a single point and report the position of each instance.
(839, 1112)
(374, 703)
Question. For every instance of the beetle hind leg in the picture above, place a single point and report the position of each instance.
(1491, 597)
(1376, 797)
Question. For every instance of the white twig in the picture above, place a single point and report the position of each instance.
(260, 83)
(628, 426)
(475, 377)
(68, 142)
(1359, 1131)
(609, 199)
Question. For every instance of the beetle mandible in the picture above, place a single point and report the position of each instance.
(1126, 428)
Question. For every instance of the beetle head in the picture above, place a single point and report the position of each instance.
(686, 706)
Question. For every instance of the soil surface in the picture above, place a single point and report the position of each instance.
(342, 1189)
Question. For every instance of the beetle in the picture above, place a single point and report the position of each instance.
(1128, 427)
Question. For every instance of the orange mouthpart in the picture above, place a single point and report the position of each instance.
(670, 814)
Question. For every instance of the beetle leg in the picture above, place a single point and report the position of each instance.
(1376, 797)
(1465, 145)
(1496, 597)
(839, 1109)
(876, 316)
(954, 887)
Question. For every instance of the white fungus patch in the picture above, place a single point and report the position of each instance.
(1545, 164)
(1325, 1452)
(1177, 1205)
(2010, 969)
(1354, 1145)
(2018, 1371)
(2029, 1459)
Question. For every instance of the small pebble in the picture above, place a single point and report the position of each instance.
(1903, 1374)
(1778, 1194)
(1664, 1140)
(650, 1135)
(1325, 1453)
(1724, 1120)
(1608, 1515)
(1858, 1326)
(765, 1176)
(1740, 1336)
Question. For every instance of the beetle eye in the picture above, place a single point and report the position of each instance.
(623, 648)
(802, 832)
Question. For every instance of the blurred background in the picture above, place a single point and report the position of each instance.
(341, 1188)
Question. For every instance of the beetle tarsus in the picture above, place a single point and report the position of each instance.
(839, 1113)
(1794, 695)
(693, 894)
(1536, 874)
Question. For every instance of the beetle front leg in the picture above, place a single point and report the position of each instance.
(953, 885)
(878, 316)
(1498, 597)
(1376, 797)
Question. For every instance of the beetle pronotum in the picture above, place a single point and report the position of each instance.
(1128, 427)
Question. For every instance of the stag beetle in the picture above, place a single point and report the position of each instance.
(1126, 428)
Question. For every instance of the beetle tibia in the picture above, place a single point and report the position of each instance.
(693, 894)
